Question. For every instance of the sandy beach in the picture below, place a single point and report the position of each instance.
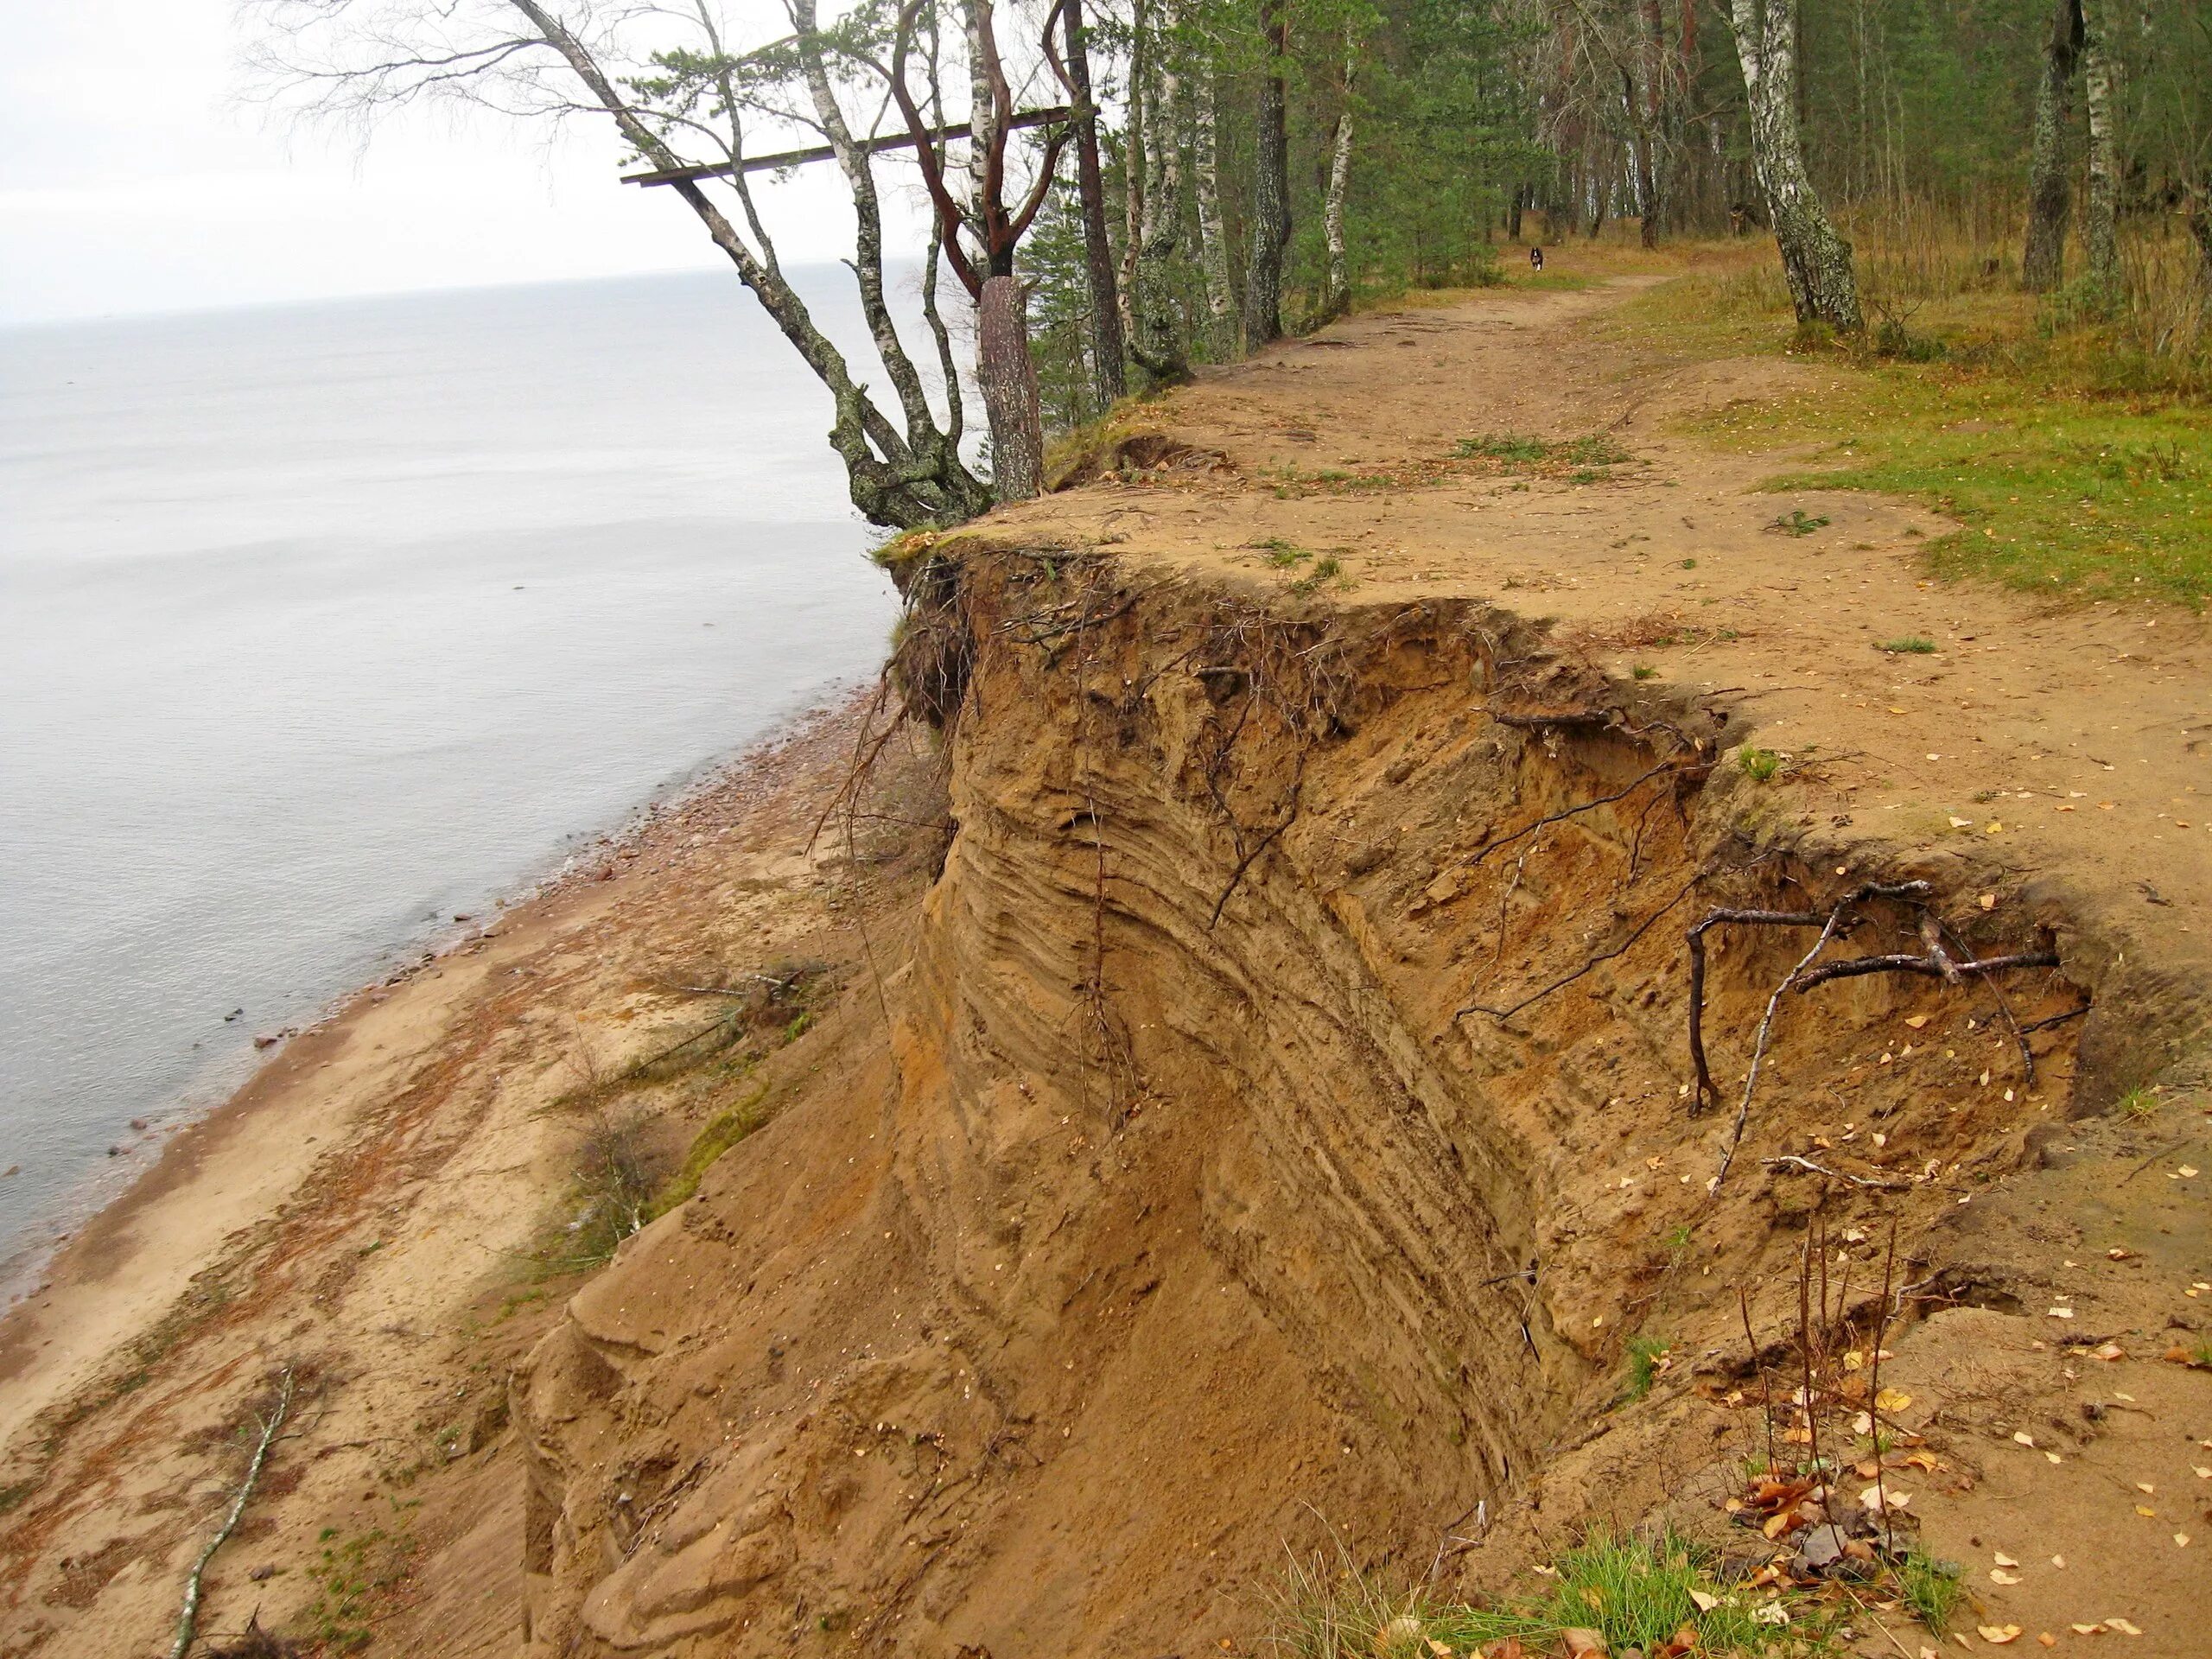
(380, 1186)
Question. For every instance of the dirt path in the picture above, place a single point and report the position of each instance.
(2082, 734)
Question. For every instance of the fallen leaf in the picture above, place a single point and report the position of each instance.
(2021, 1437)
(2003, 1560)
(2145, 1486)
(1989, 901)
(1772, 1613)
(2058, 1560)
(2187, 1171)
(1998, 1575)
(1583, 1644)
(2108, 1351)
(1915, 1020)
(1893, 1400)
(2202, 1473)
(2047, 1638)
(2119, 1253)
(2062, 1313)
(1961, 823)
(1998, 1635)
(1706, 1600)
(2123, 1627)
(2181, 1541)
(2087, 1629)
(2146, 1512)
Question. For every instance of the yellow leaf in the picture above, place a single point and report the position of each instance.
(1705, 1600)
(1998, 1575)
(2146, 1512)
(2003, 1560)
(2123, 1627)
(1893, 1400)
(1998, 1635)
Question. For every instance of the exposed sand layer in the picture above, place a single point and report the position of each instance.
(1225, 1088)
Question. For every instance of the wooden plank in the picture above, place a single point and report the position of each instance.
(824, 153)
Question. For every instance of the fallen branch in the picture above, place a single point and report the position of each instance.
(1949, 968)
(1571, 717)
(1824, 920)
(187, 1623)
(1807, 1165)
(1758, 1052)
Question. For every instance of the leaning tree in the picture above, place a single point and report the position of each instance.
(689, 94)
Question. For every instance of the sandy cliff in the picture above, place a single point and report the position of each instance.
(1248, 1104)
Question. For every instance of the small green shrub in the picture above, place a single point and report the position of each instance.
(1912, 644)
(1797, 522)
(1644, 1355)
(1760, 765)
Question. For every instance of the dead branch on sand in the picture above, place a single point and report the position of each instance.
(188, 1622)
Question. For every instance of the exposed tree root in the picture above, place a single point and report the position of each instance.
(1934, 962)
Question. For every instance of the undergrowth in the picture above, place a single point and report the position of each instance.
(1651, 1592)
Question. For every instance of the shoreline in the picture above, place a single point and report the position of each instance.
(127, 1256)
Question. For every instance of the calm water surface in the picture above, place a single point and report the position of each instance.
(320, 624)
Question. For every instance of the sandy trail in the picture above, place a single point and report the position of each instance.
(2080, 732)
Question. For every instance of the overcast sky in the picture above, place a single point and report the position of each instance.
(131, 179)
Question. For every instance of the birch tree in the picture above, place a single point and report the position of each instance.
(2100, 231)
(2042, 256)
(1815, 259)
(688, 97)
(1270, 182)
(1335, 288)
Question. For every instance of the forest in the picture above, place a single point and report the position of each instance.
(1124, 191)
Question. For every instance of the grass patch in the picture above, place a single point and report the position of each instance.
(1931, 1589)
(353, 1574)
(1912, 644)
(1520, 449)
(1760, 765)
(1797, 522)
(1635, 1592)
(1647, 1358)
(725, 1131)
(2070, 472)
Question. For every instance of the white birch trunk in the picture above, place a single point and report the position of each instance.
(1336, 298)
(2100, 76)
(1814, 258)
(1213, 237)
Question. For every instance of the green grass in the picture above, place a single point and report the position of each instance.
(1634, 1591)
(1521, 449)
(1760, 765)
(2054, 496)
(1931, 1589)
(1283, 555)
(1910, 644)
(2066, 480)
(1797, 522)
(724, 1131)
(354, 1574)
(1645, 1354)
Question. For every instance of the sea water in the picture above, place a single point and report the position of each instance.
(321, 624)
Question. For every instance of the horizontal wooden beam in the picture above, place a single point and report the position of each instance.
(827, 153)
